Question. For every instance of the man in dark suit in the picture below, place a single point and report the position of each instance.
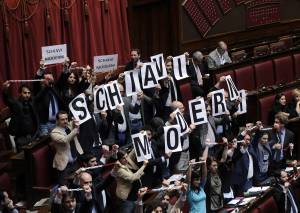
(197, 69)
(282, 142)
(169, 91)
(49, 103)
(94, 197)
(155, 170)
(24, 121)
(243, 166)
(283, 193)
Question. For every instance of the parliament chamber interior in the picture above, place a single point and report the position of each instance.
(132, 106)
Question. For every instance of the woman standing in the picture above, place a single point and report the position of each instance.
(196, 195)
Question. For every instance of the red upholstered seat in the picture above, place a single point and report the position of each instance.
(186, 93)
(268, 206)
(244, 78)
(297, 65)
(284, 69)
(5, 184)
(265, 105)
(264, 75)
(223, 84)
(255, 211)
(42, 166)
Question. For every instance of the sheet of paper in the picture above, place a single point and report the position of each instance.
(234, 201)
(246, 200)
(258, 189)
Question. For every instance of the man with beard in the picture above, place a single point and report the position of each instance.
(135, 62)
(24, 120)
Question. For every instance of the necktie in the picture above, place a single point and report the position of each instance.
(52, 102)
(199, 75)
(294, 208)
(67, 130)
(72, 145)
(277, 156)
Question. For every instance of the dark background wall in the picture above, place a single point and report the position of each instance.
(164, 26)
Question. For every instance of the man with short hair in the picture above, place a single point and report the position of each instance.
(135, 62)
(197, 70)
(219, 56)
(93, 198)
(24, 120)
(49, 103)
(282, 142)
(62, 136)
(244, 165)
(284, 194)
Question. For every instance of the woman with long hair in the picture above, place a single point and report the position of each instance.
(279, 105)
(196, 179)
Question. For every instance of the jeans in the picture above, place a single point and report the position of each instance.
(125, 206)
(46, 128)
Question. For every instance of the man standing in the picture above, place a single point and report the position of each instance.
(135, 62)
(62, 135)
(49, 103)
(197, 70)
(24, 120)
(281, 142)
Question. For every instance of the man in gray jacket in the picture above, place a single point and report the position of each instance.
(219, 56)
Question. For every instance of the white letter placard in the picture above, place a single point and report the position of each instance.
(149, 75)
(141, 146)
(172, 139)
(198, 111)
(179, 67)
(218, 103)
(100, 100)
(233, 92)
(132, 83)
(54, 54)
(113, 95)
(160, 65)
(79, 109)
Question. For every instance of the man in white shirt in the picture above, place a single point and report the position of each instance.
(197, 71)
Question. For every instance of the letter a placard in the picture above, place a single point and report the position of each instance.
(233, 92)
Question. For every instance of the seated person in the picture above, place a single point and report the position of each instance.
(294, 105)
(219, 56)
(279, 105)
(6, 204)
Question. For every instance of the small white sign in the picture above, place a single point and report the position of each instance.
(105, 63)
(54, 54)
